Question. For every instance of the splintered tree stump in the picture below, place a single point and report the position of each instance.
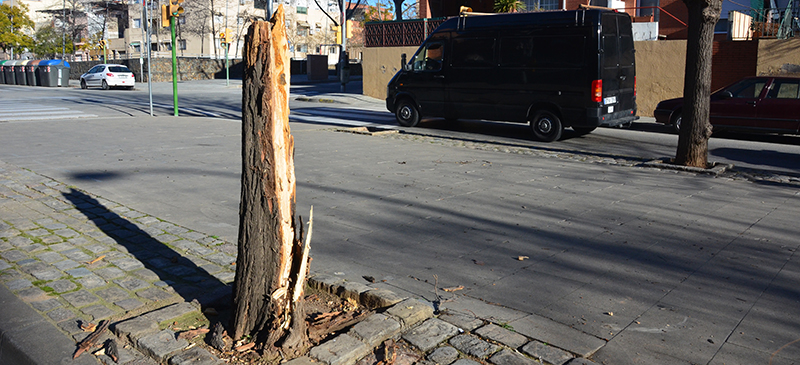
(271, 265)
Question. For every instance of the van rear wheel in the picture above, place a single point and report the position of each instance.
(546, 126)
(407, 113)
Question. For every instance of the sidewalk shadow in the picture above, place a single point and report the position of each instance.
(189, 276)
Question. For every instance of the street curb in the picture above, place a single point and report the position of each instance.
(27, 338)
(716, 168)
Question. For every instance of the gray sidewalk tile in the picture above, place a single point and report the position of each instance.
(430, 333)
(443, 355)
(341, 350)
(547, 353)
(506, 337)
(80, 298)
(474, 346)
(161, 345)
(375, 329)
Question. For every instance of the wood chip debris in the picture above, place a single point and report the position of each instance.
(96, 260)
(520, 258)
(453, 288)
(246, 347)
(187, 335)
(88, 326)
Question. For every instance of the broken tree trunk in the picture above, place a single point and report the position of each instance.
(271, 264)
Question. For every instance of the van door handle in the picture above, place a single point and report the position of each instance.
(438, 76)
(623, 77)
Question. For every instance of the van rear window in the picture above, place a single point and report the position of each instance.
(543, 51)
(473, 52)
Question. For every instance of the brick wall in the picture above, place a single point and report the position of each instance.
(732, 61)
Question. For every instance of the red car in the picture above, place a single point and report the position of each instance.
(762, 104)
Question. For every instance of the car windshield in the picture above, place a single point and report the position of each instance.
(118, 69)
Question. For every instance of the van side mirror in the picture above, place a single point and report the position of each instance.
(407, 67)
(403, 60)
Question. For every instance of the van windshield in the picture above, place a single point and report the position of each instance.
(429, 58)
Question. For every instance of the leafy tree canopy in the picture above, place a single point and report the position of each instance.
(48, 43)
(508, 6)
(15, 25)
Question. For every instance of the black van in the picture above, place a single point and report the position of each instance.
(550, 69)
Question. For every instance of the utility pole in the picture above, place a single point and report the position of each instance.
(344, 62)
(149, 48)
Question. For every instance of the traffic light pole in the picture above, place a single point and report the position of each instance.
(227, 73)
(174, 66)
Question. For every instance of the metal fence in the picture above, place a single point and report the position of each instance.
(764, 23)
(399, 33)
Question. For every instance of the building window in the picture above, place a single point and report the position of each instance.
(302, 48)
(302, 32)
(302, 10)
(136, 47)
(182, 44)
(540, 5)
(650, 8)
(137, 23)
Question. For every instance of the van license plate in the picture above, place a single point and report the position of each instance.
(610, 100)
(610, 109)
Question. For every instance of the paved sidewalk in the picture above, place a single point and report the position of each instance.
(68, 258)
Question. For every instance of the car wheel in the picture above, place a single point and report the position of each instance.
(105, 85)
(83, 84)
(583, 130)
(546, 126)
(676, 120)
(407, 113)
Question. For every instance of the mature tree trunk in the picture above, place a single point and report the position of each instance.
(272, 262)
(695, 126)
(398, 9)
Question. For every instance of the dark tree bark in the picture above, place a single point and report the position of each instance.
(695, 126)
(272, 261)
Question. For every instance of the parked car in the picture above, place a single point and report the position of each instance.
(107, 76)
(762, 104)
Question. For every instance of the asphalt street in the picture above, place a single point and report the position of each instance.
(667, 267)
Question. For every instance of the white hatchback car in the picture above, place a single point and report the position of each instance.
(107, 76)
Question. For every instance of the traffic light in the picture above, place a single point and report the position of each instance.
(164, 16)
(225, 36)
(103, 43)
(175, 9)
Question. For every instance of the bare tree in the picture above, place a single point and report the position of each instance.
(695, 127)
(201, 20)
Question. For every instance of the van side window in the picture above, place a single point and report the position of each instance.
(429, 58)
(473, 53)
(562, 51)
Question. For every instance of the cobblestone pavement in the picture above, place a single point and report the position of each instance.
(77, 258)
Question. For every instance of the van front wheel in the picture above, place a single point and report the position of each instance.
(546, 126)
(407, 113)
